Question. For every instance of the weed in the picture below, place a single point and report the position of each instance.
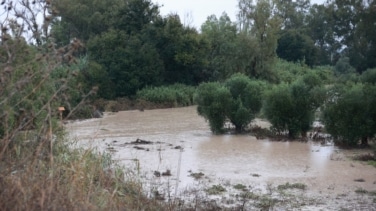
(197, 176)
(215, 190)
(372, 163)
(287, 185)
(361, 191)
(240, 187)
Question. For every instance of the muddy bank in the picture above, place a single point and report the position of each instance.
(179, 142)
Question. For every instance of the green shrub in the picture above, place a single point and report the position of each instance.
(177, 94)
(213, 100)
(292, 107)
(238, 100)
(369, 76)
(349, 115)
(288, 72)
(246, 100)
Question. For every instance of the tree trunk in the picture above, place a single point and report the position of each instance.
(364, 141)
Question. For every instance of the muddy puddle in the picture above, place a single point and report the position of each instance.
(176, 147)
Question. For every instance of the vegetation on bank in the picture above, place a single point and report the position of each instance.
(86, 50)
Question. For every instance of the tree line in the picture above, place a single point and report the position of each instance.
(129, 45)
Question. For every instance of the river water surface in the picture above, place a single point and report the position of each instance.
(182, 143)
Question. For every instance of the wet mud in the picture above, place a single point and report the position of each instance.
(175, 147)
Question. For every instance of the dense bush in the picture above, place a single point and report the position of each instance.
(238, 100)
(369, 76)
(213, 100)
(289, 72)
(350, 115)
(246, 100)
(291, 107)
(177, 94)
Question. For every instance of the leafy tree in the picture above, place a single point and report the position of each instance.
(343, 66)
(221, 35)
(297, 47)
(246, 100)
(213, 100)
(291, 108)
(182, 50)
(320, 22)
(292, 13)
(353, 32)
(95, 75)
(131, 63)
(242, 103)
(83, 18)
(349, 115)
(369, 76)
(135, 15)
(264, 28)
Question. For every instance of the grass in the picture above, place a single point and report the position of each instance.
(197, 176)
(68, 179)
(215, 190)
(177, 94)
(287, 185)
(364, 191)
(372, 163)
(240, 187)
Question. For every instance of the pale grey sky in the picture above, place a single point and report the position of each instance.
(195, 12)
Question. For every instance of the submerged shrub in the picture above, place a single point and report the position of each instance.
(349, 115)
(237, 100)
(213, 100)
(292, 107)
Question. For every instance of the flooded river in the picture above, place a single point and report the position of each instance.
(178, 141)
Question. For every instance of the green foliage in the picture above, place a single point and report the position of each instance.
(369, 76)
(177, 94)
(130, 62)
(291, 107)
(95, 75)
(349, 115)
(242, 103)
(246, 99)
(213, 100)
(215, 190)
(287, 185)
(297, 47)
(288, 72)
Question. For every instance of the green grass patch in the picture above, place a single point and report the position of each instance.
(177, 94)
(372, 163)
(216, 190)
(361, 191)
(287, 185)
(197, 176)
(240, 187)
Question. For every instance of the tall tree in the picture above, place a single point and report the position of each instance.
(295, 46)
(221, 35)
(264, 28)
(320, 24)
(83, 18)
(354, 27)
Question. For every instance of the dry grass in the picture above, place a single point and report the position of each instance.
(72, 179)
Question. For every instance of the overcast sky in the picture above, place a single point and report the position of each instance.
(195, 12)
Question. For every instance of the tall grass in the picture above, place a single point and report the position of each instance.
(77, 179)
(176, 95)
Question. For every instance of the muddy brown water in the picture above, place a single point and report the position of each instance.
(182, 143)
